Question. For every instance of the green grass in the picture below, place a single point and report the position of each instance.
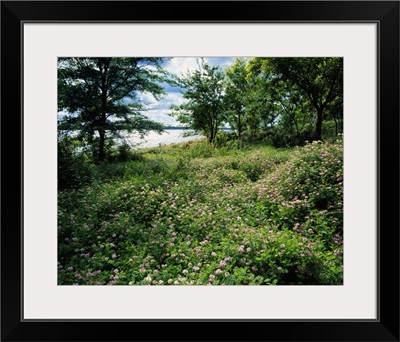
(194, 214)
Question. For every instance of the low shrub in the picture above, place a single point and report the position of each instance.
(256, 216)
(74, 169)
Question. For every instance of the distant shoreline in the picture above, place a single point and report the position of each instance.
(155, 139)
(186, 128)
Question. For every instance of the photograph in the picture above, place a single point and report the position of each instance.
(173, 166)
(200, 171)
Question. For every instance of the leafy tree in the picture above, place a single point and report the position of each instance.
(261, 109)
(98, 97)
(334, 110)
(319, 79)
(293, 112)
(235, 95)
(248, 100)
(203, 89)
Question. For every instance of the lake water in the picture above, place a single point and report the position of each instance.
(153, 139)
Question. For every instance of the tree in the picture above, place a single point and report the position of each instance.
(319, 79)
(260, 107)
(293, 112)
(99, 97)
(204, 110)
(236, 89)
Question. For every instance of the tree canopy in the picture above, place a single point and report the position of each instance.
(318, 79)
(235, 95)
(99, 97)
(204, 109)
(286, 100)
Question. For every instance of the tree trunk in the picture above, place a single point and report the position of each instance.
(318, 129)
(212, 135)
(103, 66)
(336, 125)
(102, 136)
(239, 128)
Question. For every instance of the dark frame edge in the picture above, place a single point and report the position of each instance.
(385, 329)
(10, 28)
(389, 167)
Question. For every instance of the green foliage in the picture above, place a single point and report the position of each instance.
(236, 90)
(253, 215)
(98, 97)
(284, 100)
(319, 80)
(74, 170)
(204, 110)
(121, 153)
(309, 198)
(331, 130)
(281, 137)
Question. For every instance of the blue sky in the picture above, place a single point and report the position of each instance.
(159, 110)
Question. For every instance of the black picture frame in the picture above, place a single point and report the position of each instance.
(15, 13)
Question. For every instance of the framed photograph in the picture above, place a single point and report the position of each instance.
(229, 169)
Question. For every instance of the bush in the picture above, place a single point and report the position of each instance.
(281, 137)
(224, 139)
(329, 130)
(121, 153)
(306, 193)
(249, 217)
(74, 169)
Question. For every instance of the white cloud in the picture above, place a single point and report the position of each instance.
(147, 99)
(171, 99)
(178, 65)
(161, 115)
(159, 110)
(223, 62)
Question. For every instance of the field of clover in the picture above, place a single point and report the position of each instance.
(187, 215)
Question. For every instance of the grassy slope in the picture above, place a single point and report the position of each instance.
(192, 215)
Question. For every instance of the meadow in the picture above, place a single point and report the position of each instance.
(197, 214)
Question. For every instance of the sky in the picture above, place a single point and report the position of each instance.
(159, 110)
